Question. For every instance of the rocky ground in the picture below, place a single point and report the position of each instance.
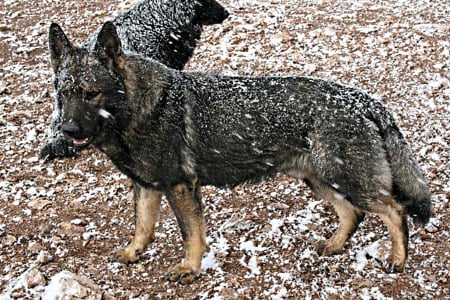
(63, 219)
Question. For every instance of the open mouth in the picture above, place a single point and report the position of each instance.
(81, 143)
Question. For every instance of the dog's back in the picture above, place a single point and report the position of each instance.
(165, 30)
(251, 128)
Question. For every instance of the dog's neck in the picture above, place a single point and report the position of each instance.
(144, 81)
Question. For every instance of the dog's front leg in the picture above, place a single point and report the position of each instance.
(147, 206)
(186, 203)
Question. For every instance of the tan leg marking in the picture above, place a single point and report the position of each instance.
(147, 207)
(394, 217)
(187, 206)
(349, 219)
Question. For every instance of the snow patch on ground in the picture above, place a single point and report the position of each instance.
(262, 237)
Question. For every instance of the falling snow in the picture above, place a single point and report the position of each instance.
(65, 218)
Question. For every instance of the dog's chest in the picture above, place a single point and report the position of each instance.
(134, 161)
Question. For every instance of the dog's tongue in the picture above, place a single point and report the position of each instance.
(79, 142)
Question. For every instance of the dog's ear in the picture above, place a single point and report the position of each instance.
(209, 12)
(59, 45)
(108, 49)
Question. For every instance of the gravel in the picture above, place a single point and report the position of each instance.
(66, 218)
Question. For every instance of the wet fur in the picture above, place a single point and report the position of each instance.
(164, 30)
(172, 132)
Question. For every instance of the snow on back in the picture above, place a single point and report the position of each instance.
(398, 61)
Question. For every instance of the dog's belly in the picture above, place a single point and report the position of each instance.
(236, 164)
(229, 173)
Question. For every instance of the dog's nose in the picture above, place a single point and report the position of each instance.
(70, 128)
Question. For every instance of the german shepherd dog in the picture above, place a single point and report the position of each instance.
(172, 132)
(164, 30)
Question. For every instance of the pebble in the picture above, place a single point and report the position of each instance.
(34, 277)
(44, 257)
(67, 285)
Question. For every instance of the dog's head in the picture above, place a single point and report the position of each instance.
(210, 12)
(89, 88)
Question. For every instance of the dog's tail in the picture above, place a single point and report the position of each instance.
(409, 186)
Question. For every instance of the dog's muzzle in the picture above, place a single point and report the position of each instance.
(73, 131)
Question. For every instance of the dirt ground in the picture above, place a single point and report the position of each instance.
(76, 212)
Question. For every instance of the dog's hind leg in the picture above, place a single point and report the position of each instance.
(147, 206)
(394, 216)
(186, 203)
(349, 217)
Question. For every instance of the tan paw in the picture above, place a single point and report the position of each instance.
(181, 273)
(394, 265)
(127, 255)
(325, 248)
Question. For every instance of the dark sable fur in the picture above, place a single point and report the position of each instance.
(164, 30)
(173, 131)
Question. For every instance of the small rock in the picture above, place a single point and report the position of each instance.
(309, 68)
(141, 268)
(365, 283)
(69, 229)
(28, 280)
(46, 228)
(34, 278)
(44, 257)
(78, 222)
(267, 228)
(16, 295)
(135, 293)
(45, 94)
(66, 285)
(35, 247)
(3, 88)
(57, 241)
(9, 240)
(38, 204)
(430, 228)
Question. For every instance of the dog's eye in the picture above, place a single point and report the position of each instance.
(91, 95)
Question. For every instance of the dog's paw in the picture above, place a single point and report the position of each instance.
(181, 273)
(58, 148)
(127, 255)
(325, 248)
(393, 265)
(46, 152)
